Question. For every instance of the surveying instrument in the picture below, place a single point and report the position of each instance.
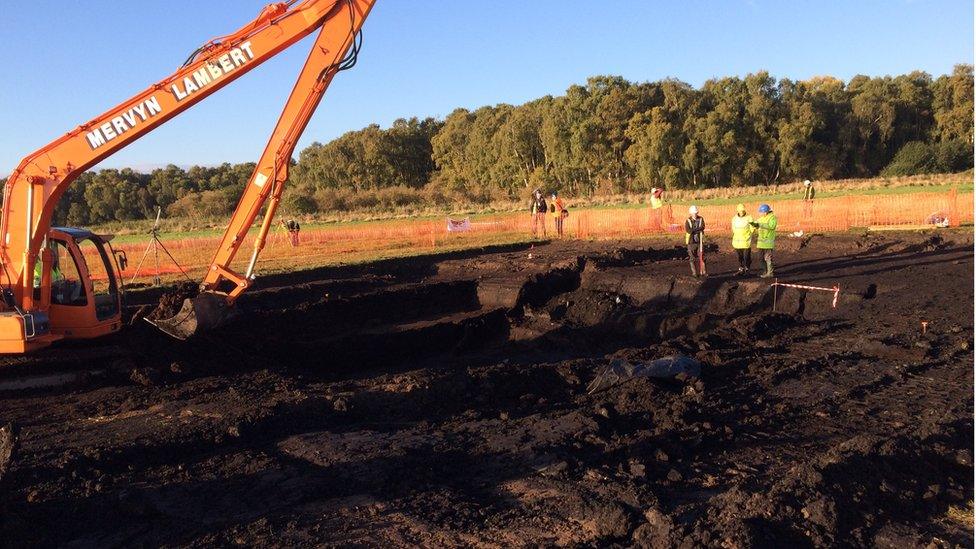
(155, 244)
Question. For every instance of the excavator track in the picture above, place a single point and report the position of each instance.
(63, 366)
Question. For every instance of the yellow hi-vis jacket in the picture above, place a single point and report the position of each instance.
(742, 232)
(767, 232)
(656, 202)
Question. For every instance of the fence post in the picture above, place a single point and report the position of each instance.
(954, 206)
(850, 212)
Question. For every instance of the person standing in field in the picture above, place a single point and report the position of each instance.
(558, 211)
(766, 242)
(808, 194)
(694, 240)
(657, 208)
(539, 210)
(293, 229)
(742, 230)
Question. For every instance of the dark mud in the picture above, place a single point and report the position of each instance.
(442, 401)
(168, 304)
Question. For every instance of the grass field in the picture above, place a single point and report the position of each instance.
(879, 202)
(134, 231)
(757, 197)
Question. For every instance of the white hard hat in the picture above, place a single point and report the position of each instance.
(806, 182)
(693, 210)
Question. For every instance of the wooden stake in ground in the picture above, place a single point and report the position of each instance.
(701, 254)
(8, 446)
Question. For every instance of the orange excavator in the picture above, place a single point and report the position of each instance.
(49, 290)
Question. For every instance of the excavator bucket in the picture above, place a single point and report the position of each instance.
(204, 312)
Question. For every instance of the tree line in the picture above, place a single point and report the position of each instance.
(606, 136)
(201, 192)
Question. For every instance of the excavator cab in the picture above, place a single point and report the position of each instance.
(85, 297)
(81, 291)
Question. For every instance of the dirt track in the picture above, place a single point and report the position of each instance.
(442, 401)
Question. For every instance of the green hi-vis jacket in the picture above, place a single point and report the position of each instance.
(742, 232)
(767, 232)
(56, 275)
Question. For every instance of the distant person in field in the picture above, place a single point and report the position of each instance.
(657, 208)
(694, 240)
(539, 210)
(808, 195)
(808, 191)
(766, 243)
(558, 211)
(742, 230)
(293, 229)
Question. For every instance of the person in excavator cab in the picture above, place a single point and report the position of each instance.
(64, 291)
(56, 275)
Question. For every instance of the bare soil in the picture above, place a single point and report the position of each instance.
(442, 401)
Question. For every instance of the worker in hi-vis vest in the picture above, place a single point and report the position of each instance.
(766, 242)
(742, 231)
(558, 210)
(657, 208)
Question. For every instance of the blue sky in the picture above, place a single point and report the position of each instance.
(66, 61)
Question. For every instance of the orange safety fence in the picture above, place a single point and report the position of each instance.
(98, 273)
(823, 214)
(348, 242)
(316, 246)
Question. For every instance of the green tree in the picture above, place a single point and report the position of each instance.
(169, 184)
(606, 135)
(659, 140)
(810, 134)
(952, 105)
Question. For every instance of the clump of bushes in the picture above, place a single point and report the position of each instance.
(919, 157)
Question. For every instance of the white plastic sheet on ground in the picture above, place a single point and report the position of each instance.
(458, 225)
(619, 371)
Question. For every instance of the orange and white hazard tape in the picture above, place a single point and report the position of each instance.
(835, 289)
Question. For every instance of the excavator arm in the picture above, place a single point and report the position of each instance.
(222, 285)
(34, 188)
(327, 57)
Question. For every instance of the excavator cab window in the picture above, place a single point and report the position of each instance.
(104, 287)
(66, 281)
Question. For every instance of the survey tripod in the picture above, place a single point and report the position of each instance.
(155, 244)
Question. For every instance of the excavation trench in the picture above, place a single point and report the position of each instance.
(587, 305)
(597, 304)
